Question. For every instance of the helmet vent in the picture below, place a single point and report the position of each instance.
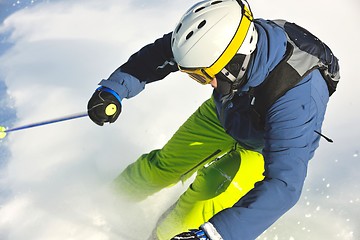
(199, 9)
(189, 35)
(202, 24)
(216, 2)
(178, 28)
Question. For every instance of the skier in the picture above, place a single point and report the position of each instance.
(251, 142)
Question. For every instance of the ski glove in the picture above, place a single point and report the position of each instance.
(104, 106)
(194, 234)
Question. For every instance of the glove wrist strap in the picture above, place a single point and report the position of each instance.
(105, 89)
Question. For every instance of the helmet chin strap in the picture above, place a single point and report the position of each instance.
(228, 84)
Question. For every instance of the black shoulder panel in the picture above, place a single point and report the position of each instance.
(304, 53)
(280, 80)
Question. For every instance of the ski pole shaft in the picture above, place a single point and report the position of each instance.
(37, 124)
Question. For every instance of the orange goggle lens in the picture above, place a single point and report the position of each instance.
(200, 79)
(198, 75)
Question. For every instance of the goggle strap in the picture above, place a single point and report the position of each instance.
(228, 75)
(240, 80)
(244, 67)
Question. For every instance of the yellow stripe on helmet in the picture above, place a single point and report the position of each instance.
(234, 44)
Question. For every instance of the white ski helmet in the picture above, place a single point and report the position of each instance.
(210, 34)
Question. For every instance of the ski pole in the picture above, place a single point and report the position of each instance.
(4, 131)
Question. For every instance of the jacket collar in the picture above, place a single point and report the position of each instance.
(270, 50)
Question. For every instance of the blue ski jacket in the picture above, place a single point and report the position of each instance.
(287, 143)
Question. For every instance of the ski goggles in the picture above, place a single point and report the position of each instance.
(207, 74)
(199, 75)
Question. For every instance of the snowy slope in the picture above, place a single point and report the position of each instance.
(54, 179)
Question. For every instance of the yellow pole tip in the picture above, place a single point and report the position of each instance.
(2, 132)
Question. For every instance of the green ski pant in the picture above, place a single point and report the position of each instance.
(225, 172)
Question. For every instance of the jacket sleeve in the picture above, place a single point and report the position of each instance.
(290, 142)
(151, 63)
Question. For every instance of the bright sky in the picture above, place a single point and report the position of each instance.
(53, 186)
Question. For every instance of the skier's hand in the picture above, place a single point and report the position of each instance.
(194, 234)
(104, 106)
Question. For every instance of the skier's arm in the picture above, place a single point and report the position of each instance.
(290, 144)
(153, 62)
